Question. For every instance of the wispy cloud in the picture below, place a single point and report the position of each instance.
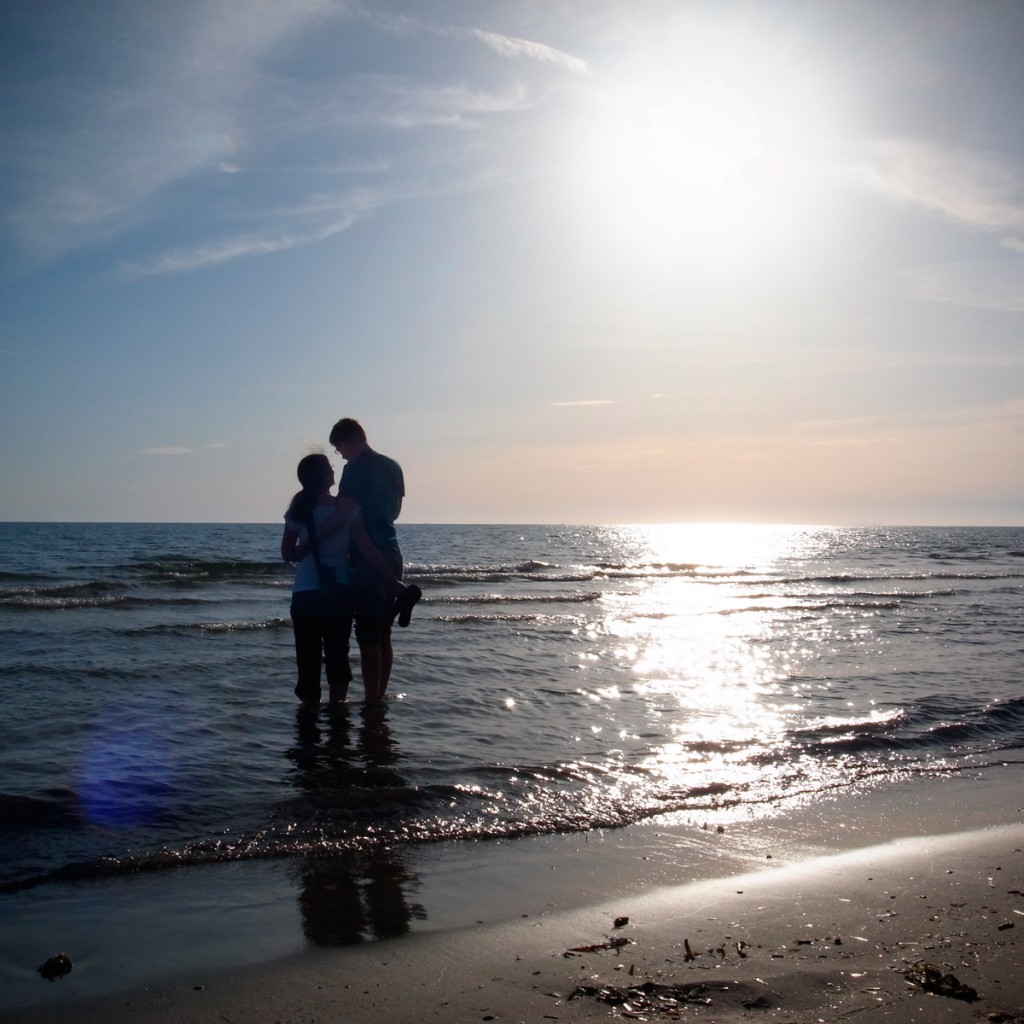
(966, 186)
(507, 46)
(587, 401)
(986, 284)
(974, 189)
(167, 104)
(354, 165)
(196, 108)
(886, 428)
(510, 46)
(391, 101)
(323, 216)
(180, 449)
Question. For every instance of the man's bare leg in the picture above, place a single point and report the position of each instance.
(387, 658)
(371, 665)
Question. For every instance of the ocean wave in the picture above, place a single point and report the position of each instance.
(475, 620)
(242, 627)
(55, 807)
(683, 567)
(576, 598)
(836, 726)
(937, 725)
(452, 576)
(183, 628)
(480, 568)
(329, 824)
(86, 589)
(809, 608)
(551, 572)
(46, 600)
(207, 566)
(440, 580)
(360, 811)
(869, 578)
(190, 571)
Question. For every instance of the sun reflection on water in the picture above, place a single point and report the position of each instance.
(697, 641)
(729, 547)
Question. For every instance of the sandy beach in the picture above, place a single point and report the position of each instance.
(922, 927)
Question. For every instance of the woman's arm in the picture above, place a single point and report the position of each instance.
(289, 545)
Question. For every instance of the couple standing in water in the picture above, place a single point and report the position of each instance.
(349, 567)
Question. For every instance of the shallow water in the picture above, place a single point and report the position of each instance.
(554, 679)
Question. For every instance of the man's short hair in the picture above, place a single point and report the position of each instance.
(347, 430)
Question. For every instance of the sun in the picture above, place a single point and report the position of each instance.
(701, 136)
(715, 146)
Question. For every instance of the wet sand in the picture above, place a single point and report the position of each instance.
(757, 924)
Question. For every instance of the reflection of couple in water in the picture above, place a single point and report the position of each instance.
(349, 567)
(351, 892)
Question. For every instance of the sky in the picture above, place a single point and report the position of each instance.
(589, 261)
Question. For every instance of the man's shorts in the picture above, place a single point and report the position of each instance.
(373, 610)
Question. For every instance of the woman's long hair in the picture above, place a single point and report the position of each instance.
(313, 472)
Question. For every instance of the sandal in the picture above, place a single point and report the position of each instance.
(404, 604)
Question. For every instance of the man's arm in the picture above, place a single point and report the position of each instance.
(398, 491)
(374, 559)
(340, 517)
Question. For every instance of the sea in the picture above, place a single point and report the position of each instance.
(554, 680)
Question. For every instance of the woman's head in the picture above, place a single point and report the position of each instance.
(315, 472)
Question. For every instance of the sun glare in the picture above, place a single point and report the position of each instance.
(703, 136)
(726, 546)
(711, 148)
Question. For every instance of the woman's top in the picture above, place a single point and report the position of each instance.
(334, 548)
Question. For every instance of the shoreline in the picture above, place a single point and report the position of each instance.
(922, 869)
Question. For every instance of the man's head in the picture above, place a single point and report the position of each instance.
(348, 438)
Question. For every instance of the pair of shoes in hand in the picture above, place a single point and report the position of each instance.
(404, 604)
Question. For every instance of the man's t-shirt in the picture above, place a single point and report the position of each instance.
(376, 484)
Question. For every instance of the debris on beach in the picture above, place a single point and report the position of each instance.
(931, 979)
(620, 922)
(56, 967)
(650, 997)
(599, 947)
